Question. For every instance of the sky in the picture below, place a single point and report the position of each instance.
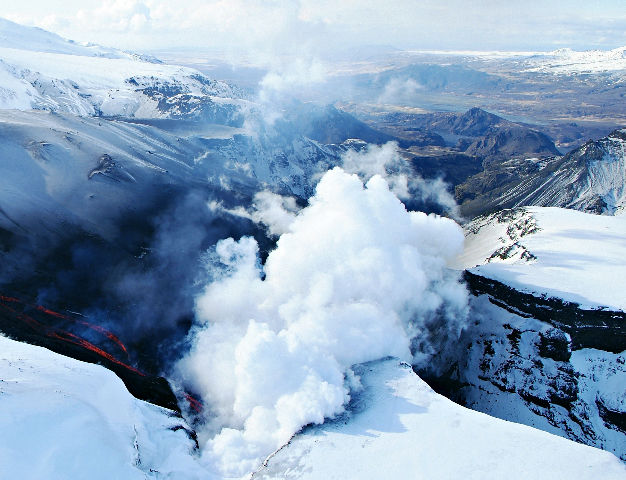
(327, 25)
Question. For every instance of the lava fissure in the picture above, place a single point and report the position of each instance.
(194, 403)
(28, 323)
(97, 328)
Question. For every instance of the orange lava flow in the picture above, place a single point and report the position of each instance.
(76, 340)
(110, 335)
(194, 403)
(50, 312)
(10, 299)
(67, 336)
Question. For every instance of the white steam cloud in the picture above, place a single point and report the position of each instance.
(354, 278)
(286, 80)
(274, 211)
(379, 160)
(400, 92)
(386, 161)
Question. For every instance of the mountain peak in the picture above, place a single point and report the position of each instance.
(22, 37)
(34, 39)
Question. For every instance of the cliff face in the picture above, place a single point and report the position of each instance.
(546, 341)
(539, 361)
(599, 329)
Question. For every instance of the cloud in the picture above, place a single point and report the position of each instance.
(381, 160)
(355, 278)
(276, 212)
(400, 92)
(117, 15)
(386, 161)
(288, 77)
(256, 26)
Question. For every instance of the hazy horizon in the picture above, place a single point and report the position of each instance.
(320, 27)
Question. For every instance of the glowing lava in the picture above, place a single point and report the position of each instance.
(63, 335)
(194, 403)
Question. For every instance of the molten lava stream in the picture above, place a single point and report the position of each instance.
(194, 403)
(76, 340)
(63, 335)
(107, 333)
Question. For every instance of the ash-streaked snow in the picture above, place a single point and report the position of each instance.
(399, 428)
(576, 256)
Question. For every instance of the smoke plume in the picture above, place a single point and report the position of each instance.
(354, 278)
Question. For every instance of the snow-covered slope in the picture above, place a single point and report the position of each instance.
(399, 428)
(515, 367)
(68, 419)
(556, 252)
(40, 70)
(62, 168)
(13, 35)
(62, 418)
(546, 345)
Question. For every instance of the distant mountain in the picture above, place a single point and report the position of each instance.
(42, 71)
(515, 140)
(475, 122)
(475, 132)
(590, 178)
(326, 124)
(34, 39)
(433, 77)
(567, 61)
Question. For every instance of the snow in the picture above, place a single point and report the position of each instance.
(40, 70)
(503, 372)
(62, 418)
(561, 61)
(88, 83)
(400, 428)
(579, 257)
(69, 419)
(14, 35)
(601, 379)
(568, 61)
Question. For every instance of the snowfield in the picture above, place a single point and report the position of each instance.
(65, 419)
(557, 252)
(568, 61)
(69, 419)
(400, 428)
(40, 70)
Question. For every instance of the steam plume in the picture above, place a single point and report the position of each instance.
(355, 278)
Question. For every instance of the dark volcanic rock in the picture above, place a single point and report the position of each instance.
(512, 141)
(590, 179)
(601, 329)
(59, 332)
(554, 344)
(612, 418)
(510, 365)
(108, 168)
